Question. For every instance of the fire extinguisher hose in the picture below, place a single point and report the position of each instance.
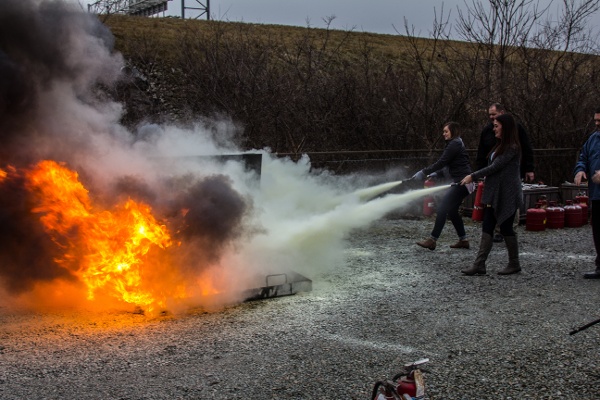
(584, 327)
(401, 374)
(398, 376)
(388, 386)
(376, 388)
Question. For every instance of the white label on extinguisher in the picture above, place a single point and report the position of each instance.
(420, 384)
(430, 204)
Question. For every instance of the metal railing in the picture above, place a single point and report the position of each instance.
(552, 166)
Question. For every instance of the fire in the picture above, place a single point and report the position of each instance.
(4, 174)
(113, 252)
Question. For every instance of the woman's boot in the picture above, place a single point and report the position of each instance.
(513, 256)
(461, 244)
(485, 246)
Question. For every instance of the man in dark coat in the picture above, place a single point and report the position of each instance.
(588, 167)
(487, 141)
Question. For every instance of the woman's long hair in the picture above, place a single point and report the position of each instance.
(510, 135)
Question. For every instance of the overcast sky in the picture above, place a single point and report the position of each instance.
(378, 16)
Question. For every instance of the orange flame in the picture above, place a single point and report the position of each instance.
(4, 173)
(107, 250)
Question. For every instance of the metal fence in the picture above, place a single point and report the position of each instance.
(553, 167)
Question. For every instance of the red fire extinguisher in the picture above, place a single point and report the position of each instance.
(428, 203)
(477, 206)
(582, 197)
(572, 215)
(584, 203)
(409, 384)
(536, 218)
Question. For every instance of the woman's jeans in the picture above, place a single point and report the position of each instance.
(489, 223)
(448, 209)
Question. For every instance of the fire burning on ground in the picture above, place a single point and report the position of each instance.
(90, 212)
(105, 249)
(94, 215)
(123, 253)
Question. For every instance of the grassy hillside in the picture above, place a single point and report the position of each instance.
(169, 31)
(304, 90)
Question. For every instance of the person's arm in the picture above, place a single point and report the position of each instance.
(581, 167)
(482, 151)
(497, 164)
(450, 152)
(528, 167)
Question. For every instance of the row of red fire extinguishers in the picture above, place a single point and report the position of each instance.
(548, 214)
(545, 214)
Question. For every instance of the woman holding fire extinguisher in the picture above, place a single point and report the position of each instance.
(456, 159)
(502, 196)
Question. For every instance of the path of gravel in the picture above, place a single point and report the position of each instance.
(391, 302)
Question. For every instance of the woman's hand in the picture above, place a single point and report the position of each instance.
(466, 180)
(420, 176)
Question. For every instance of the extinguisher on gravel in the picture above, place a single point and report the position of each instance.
(407, 385)
(428, 202)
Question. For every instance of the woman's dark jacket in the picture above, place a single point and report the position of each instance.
(454, 157)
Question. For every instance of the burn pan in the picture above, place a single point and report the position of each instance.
(278, 285)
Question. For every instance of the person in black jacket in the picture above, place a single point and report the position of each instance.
(456, 159)
(487, 141)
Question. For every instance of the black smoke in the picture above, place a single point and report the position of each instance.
(206, 211)
(27, 253)
(45, 45)
(213, 217)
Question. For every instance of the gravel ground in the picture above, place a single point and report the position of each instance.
(391, 302)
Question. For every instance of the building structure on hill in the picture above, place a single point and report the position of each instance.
(195, 8)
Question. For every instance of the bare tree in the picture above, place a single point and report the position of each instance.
(559, 73)
(499, 28)
(569, 31)
(427, 95)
